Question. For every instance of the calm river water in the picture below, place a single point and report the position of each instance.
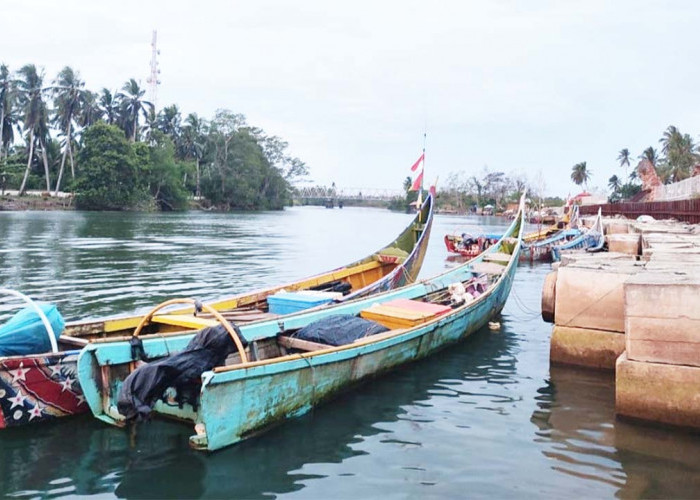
(486, 418)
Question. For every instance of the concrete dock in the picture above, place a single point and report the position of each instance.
(635, 310)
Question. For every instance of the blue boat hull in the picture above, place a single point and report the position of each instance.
(239, 404)
(240, 400)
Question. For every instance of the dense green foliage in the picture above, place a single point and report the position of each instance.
(161, 161)
(109, 175)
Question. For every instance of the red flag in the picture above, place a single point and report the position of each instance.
(417, 163)
(417, 183)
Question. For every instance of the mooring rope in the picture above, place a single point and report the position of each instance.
(530, 313)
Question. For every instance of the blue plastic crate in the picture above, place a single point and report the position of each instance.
(290, 302)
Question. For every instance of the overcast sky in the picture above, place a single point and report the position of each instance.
(529, 86)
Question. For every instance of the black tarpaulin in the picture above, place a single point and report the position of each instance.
(339, 329)
(148, 383)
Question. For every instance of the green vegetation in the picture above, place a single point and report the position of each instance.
(677, 160)
(109, 177)
(462, 192)
(124, 155)
(580, 174)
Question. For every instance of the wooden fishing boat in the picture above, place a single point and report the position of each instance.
(279, 375)
(469, 246)
(541, 251)
(591, 240)
(569, 221)
(44, 386)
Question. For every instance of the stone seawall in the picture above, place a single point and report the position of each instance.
(635, 310)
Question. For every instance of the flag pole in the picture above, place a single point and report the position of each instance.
(420, 189)
(425, 133)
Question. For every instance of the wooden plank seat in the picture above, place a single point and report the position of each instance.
(245, 316)
(302, 345)
(184, 320)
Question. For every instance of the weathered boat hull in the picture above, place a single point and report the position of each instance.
(45, 394)
(239, 400)
(238, 404)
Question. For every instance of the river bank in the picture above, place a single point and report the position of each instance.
(35, 201)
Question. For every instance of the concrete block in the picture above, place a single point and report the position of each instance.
(657, 392)
(630, 244)
(590, 298)
(664, 294)
(585, 347)
(662, 318)
(613, 226)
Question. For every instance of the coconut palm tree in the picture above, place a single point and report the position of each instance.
(150, 125)
(131, 105)
(650, 154)
(624, 159)
(580, 174)
(90, 111)
(11, 121)
(614, 183)
(109, 106)
(680, 154)
(6, 100)
(670, 136)
(169, 122)
(30, 86)
(192, 142)
(68, 92)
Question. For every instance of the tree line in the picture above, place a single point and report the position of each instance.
(463, 191)
(118, 152)
(674, 162)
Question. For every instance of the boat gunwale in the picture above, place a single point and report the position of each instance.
(313, 280)
(447, 318)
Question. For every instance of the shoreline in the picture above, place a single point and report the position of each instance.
(12, 203)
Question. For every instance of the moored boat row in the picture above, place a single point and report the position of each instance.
(37, 386)
(262, 369)
(274, 371)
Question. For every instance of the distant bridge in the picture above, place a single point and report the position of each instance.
(354, 194)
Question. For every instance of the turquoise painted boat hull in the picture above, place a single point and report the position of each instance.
(238, 404)
(239, 401)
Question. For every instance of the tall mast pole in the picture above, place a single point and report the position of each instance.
(425, 134)
(153, 80)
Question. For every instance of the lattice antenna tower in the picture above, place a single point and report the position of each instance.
(153, 80)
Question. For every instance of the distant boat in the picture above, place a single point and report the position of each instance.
(592, 240)
(537, 247)
(542, 250)
(468, 245)
(43, 386)
(237, 398)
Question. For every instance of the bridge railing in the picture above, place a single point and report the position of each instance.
(350, 193)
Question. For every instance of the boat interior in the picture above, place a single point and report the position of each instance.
(326, 288)
(395, 316)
